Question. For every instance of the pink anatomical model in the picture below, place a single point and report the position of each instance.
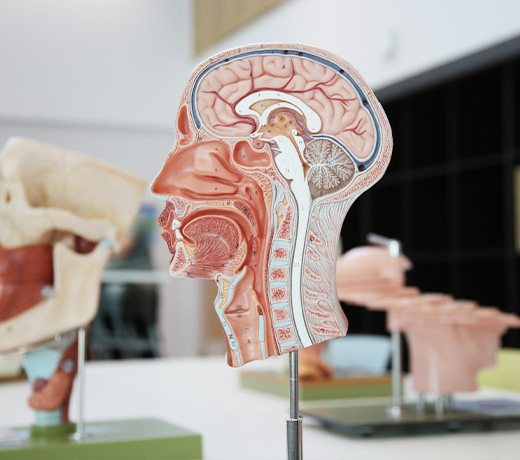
(450, 340)
(450, 343)
(273, 144)
(369, 273)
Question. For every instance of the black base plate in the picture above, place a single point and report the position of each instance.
(375, 420)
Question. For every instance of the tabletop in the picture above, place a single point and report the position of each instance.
(204, 395)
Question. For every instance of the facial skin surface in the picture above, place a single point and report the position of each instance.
(273, 144)
(62, 214)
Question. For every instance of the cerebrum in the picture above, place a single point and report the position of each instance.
(322, 89)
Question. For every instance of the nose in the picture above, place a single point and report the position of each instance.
(200, 170)
(159, 185)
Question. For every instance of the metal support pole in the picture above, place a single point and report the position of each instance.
(294, 422)
(448, 402)
(396, 407)
(439, 404)
(79, 435)
(394, 248)
(421, 402)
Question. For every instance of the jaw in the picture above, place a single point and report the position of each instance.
(77, 280)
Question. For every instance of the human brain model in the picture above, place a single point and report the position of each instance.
(274, 143)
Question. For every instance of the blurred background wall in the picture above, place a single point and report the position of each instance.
(105, 77)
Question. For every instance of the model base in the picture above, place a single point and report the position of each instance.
(376, 420)
(61, 431)
(125, 439)
(327, 388)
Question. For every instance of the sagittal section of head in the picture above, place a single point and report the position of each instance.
(274, 143)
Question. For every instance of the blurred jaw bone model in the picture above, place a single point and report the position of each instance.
(62, 215)
(274, 143)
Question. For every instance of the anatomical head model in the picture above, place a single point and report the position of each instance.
(274, 143)
(62, 214)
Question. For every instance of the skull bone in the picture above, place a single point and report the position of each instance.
(62, 214)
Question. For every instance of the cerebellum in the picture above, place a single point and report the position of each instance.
(331, 168)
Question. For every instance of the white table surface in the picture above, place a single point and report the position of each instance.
(204, 395)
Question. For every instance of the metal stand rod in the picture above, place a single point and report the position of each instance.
(79, 435)
(294, 422)
(396, 407)
(439, 404)
(421, 402)
(448, 402)
(394, 248)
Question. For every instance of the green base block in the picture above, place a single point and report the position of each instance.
(374, 420)
(506, 374)
(149, 439)
(333, 388)
(53, 431)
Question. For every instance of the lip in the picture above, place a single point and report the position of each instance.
(170, 242)
(164, 221)
(166, 215)
(171, 245)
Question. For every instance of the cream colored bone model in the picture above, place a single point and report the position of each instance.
(61, 216)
